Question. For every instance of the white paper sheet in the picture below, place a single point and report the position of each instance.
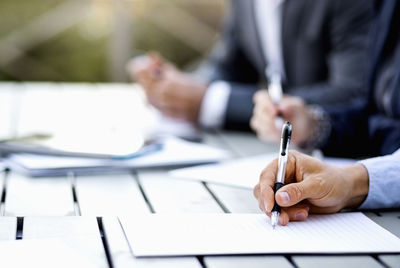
(175, 152)
(243, 172)
(210, 234)
(42, 253)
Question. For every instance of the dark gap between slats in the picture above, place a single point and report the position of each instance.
(201, 261)
(72, 179)
(4, 191)
(381, 262)
(289, 259)
(105, 242)
(227, 144)
(146, 199)
(219, 202)
(151, 208)
(20, 227)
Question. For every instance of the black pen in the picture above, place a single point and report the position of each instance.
(280, 176)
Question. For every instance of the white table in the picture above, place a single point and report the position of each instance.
(82, 210)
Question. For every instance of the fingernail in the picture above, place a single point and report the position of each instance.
(284, 197)
(300, 216)
(266, 206)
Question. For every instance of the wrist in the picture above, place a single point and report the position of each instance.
(359, 185)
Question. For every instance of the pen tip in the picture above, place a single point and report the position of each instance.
(274, 219)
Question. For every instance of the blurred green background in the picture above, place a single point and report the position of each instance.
(91, 40)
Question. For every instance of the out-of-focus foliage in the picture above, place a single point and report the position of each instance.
(75, 40)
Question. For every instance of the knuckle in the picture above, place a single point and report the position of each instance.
(319, 182)
(297, 191)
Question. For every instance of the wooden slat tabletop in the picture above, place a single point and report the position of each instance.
(82, 211)
(8, 228)
(173, 195)
(336, 261)
(247, 261)
(81, 233)
(122, 256)
(109, 195)
(236, 200)
(38, 197)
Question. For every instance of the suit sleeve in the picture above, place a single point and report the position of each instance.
(349, 130)
(348, 28)
(359, 131)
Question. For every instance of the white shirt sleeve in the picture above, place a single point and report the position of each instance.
(384, 182)
(214, 105)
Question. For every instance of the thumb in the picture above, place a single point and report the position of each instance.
(294, 193)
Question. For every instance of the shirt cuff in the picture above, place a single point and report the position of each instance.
(384, 182)
(214, 105)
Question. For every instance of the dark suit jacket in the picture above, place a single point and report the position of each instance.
(362, 129)
(324, 53)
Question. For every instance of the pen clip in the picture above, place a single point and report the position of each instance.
(285, 138)
(274, 85)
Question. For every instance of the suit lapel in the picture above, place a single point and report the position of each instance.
(258, 54)
(291, 26)
(380, 33)
(396, 84)
(381, 30)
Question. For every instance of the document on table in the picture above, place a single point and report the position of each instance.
(218, 234)
(243, 172)
(174, 153)
(42, 253)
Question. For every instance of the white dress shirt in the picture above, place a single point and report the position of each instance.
(268, 15)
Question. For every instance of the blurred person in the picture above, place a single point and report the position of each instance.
(318, 49)
(370, 127)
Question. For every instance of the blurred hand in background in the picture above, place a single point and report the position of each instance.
(292, 109)
(174, 93)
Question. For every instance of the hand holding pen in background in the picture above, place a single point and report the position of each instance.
(267, 114)
(175, 93)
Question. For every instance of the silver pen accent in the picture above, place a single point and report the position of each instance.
(280, 176)
(275, 91)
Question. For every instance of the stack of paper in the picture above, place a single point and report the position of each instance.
(174, 153)
(244, 172)
(210, 234)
